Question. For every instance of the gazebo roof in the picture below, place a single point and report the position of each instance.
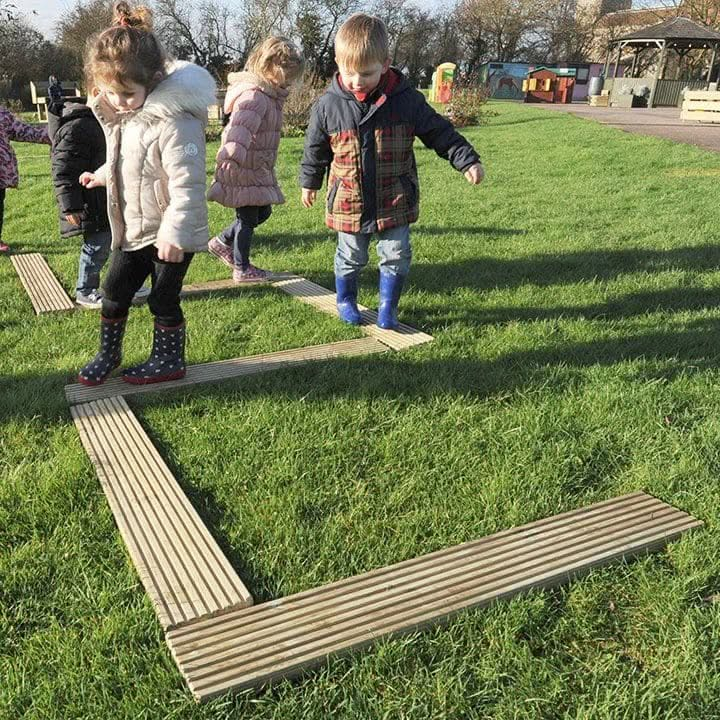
(681, 31)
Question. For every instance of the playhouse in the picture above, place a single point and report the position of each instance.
(549, 85)
(442, 83)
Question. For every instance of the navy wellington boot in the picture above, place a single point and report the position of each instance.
(166, 361)
(390, 290)
(346, 287)
(109, 355)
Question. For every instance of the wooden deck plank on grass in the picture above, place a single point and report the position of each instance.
(45, 292)
(227, 369)
(202, 288)
(323, 299)
(181, 566)
(283, 638)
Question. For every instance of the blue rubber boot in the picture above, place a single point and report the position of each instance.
(390, 290)
(346, 287)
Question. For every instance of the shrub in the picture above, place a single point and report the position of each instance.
(297, 107)
(468, 106)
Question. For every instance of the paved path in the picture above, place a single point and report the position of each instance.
(659, 122)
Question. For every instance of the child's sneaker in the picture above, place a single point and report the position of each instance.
(90, 301)
(4, 247)
(221, 251)
(250, 274)
(141, 295)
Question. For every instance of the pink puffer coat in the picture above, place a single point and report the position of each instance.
(245, 163)
(13, 129)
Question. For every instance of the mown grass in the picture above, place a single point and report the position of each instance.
(573, 301)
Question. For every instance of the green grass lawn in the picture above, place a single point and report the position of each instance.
(573, 298)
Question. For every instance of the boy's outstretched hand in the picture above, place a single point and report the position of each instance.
(475, 174)
(308, 197)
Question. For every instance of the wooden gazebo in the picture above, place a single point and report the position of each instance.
(680, 35)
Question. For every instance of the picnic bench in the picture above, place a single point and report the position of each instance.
(39, 91)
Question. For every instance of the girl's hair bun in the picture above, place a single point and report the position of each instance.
(138, 18)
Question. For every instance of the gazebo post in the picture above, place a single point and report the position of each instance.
(635, 59)
(658, 67)
(617, 60)
(712, 63)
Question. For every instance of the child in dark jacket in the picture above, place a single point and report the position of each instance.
(78, 146)
(363, 129)
(13, 129)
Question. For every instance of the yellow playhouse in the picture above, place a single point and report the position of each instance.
(442, 82)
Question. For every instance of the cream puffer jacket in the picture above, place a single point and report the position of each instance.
(245, 170)
(155, 169)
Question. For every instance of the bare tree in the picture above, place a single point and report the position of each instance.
(79, 23)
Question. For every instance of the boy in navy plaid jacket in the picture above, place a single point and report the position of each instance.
(363, 129)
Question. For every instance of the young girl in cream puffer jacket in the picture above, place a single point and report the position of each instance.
(245, 170)
(153, 113)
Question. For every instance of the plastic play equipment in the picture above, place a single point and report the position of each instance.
(442, 83)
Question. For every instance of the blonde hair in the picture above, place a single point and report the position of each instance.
(361, 39)
(127, 51)
(276, 60)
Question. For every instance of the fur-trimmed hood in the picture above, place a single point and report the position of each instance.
(188, 88)
(239, 82)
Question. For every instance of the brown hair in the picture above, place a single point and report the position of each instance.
(361, 39)
(127, 51)
(276, 60)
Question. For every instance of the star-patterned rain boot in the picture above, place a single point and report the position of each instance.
(390, 290)
(166, 361)
(109, 355)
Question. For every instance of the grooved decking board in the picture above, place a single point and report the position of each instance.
(182, 568)
(228, 284)
(46, 293)
(324, 299)
(284, 638)
(226, 369)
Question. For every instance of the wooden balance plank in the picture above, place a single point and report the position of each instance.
(284, 638)
(182, 568)
(202, 288)
(46, 293)
(227, 369)
(324, 299)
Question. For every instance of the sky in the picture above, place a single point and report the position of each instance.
(49, 11)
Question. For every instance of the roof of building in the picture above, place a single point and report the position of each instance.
(678, 28)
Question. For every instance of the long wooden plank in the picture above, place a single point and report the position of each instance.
(700, 116)
(209, 286)
(323, 299)
(284, 638)
(227, 369)
(702, 95)
(45, 292)
(181, 566)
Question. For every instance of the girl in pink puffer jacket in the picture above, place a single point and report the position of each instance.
(245, 164)
(13, 129)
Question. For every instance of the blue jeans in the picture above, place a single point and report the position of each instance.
(240, 233)
(93, 254)
(393, 249)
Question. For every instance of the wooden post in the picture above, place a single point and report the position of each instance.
(712, 63)
(658, 66)
(617, 61)
(634, 63)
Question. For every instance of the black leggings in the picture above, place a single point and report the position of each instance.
(127, 272)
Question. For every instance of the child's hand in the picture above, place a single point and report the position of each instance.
(88, 180)
(74, 218)
(308, 197)
(475, 174)
(170, 253)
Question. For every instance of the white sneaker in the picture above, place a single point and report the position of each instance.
(90, 301)
(141, 296)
